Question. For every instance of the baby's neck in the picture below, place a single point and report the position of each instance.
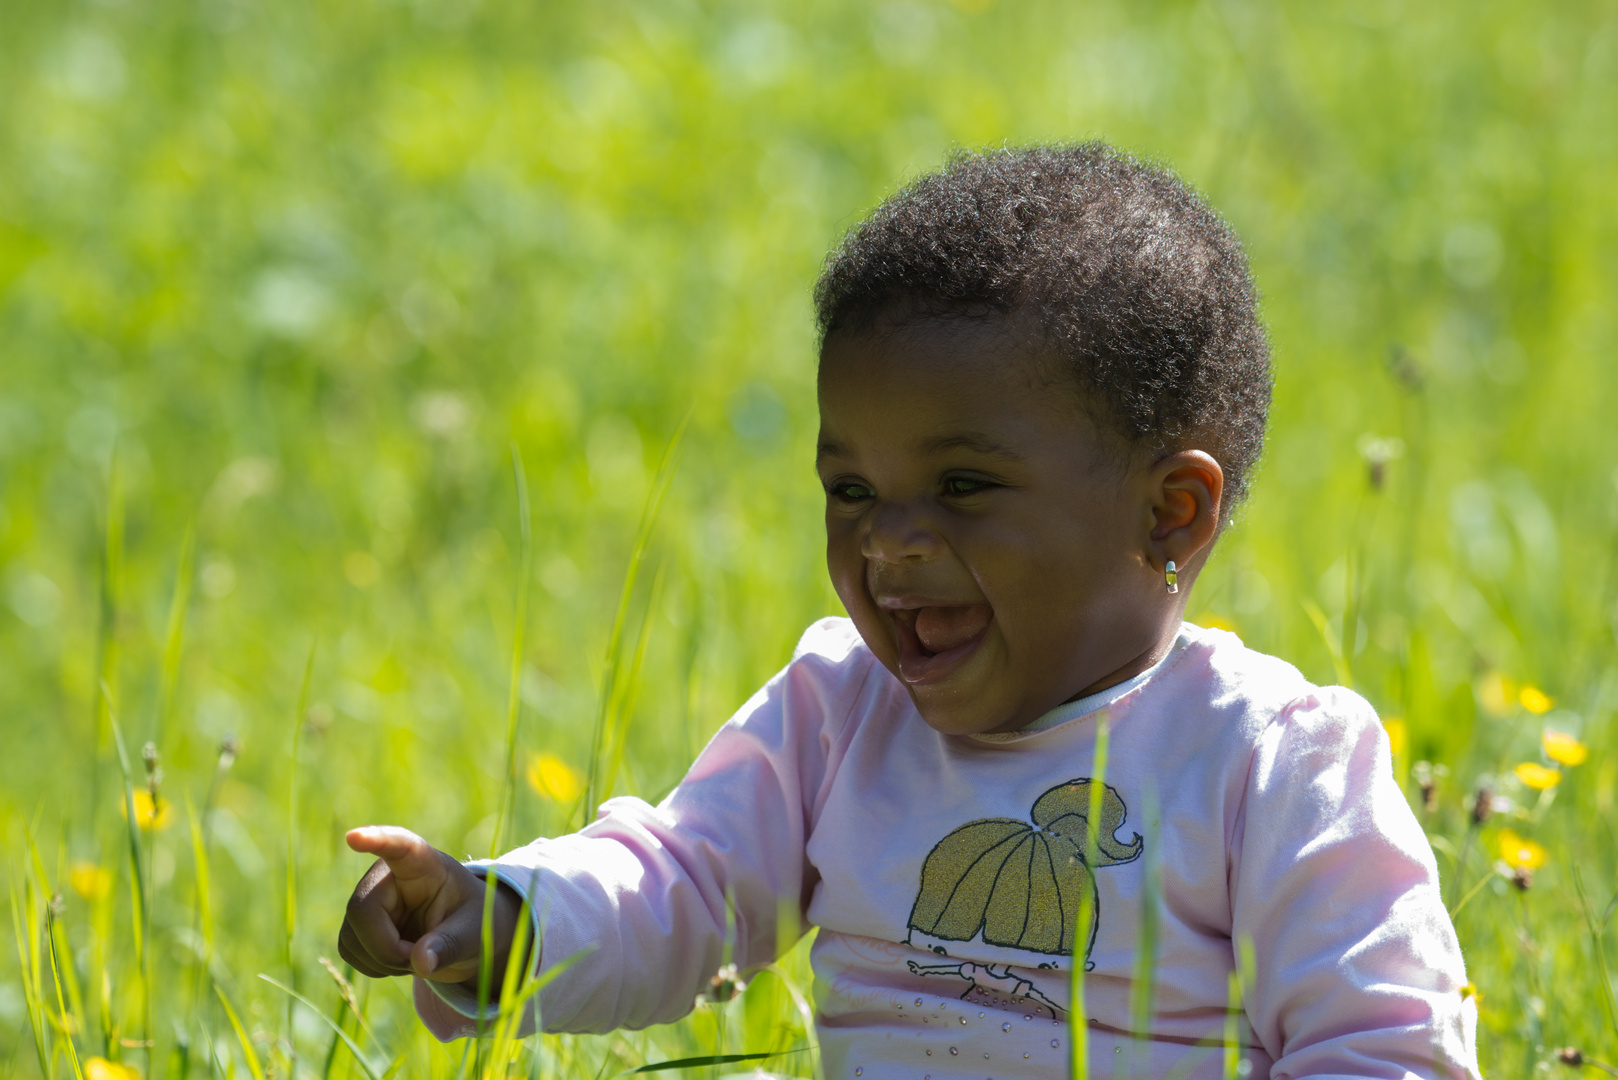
(1143, 661)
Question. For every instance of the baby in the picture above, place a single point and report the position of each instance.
(1043, 389)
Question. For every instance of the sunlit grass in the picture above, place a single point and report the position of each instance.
(440, 377)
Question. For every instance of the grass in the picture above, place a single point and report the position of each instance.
(290, 292)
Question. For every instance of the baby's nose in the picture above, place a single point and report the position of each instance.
(896, 534)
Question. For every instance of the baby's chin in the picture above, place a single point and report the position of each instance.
(968, 710)
(965, 719)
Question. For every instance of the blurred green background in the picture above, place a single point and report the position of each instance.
(294, 278)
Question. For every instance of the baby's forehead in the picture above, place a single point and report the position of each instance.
(967, 376)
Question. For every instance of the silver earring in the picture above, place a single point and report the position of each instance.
(1171, 577)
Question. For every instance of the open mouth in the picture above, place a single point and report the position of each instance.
(933, 640)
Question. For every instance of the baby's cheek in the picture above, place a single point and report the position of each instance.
(847, 568)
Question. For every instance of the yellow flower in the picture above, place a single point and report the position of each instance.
(98, 1068)
(89, 880)
(1496, 693)
(1535, 700)
(553, 778)
(1398, 736)
(1470, 990)
(1563, 748)
(1519, 852)
(1216, 622)
(150, 813)
(1537, 776)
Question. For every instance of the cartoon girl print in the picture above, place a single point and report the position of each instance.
(1021, 886)
(983, 978)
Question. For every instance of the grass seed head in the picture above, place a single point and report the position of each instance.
(1423, 772)
(725, 985)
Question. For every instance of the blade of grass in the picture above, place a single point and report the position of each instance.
(1143, 986)
(351, 1016)
(23, 924)
(1231, 1059)
(213, 1056)
(491, 889)
(353, 1047)
(67, 1021)
(1240, 984)
(1600, 948)
(248, 1052)
(174, 635)
(1078, 1032)
(137, 888)
(203, 908)
(199, 854)
(515, 974)
(329, 1063)
(1470, 893)
(1334, 644)
(630, 693)
(292, 843)
(513, 1005)
(106, 662)
(508, 783)
(70, 975)
(594, 789)
(345, 989)
(508, 790)
(701, 1062)
(173, 641)
(806, 1014)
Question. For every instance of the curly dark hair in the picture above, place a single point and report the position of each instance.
(1137, 284)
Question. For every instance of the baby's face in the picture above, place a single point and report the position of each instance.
(990, 545)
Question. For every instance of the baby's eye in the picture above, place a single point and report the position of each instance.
(849, 491)
(965, 485)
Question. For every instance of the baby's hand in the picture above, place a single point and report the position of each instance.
(418, 911)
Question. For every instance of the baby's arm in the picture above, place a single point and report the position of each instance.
(636, 902)
(1358, 969)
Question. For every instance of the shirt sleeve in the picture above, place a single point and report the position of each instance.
(640, 904)
(1358, 970)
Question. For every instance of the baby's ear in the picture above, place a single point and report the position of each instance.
(1187, 492)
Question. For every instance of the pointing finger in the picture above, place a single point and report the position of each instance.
(407, 855)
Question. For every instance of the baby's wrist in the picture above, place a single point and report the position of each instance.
(502, 936)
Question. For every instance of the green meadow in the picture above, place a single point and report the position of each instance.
(406, 415)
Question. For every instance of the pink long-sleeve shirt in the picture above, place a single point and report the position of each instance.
(953, 882)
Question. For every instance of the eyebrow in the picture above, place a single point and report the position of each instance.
(825, 450)
(966, 440)
(977, 443)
